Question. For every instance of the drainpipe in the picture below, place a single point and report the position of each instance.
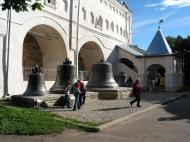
(126, 32)
(6, 74)
(70, 24)
(130, 27)
(77, 38)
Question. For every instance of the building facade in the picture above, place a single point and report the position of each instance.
(157, 63)
(85, 31)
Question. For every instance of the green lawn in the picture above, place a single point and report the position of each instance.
(22, 121)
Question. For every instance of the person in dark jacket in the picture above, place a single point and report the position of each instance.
(83, 93)
(129, 82)
(76, 92)
(66, 99)
(136, 92)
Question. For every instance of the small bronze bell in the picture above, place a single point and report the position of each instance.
(36, 84)
(65, 73)
(101, 76)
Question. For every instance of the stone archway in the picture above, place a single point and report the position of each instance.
(128, 72)
(89, 54)
(44, 46)
(157, 72)
(129, 64)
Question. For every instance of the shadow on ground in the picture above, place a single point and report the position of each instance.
(109, 109)
(180, 108)
(158, 97)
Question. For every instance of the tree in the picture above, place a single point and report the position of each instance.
(171, 41)
(20, 5)
(187, 43)
(181, 47)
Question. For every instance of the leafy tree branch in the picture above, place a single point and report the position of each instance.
(21, 5)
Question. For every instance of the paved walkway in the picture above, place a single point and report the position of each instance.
(167, 123)
(108, 110)
(143, 125)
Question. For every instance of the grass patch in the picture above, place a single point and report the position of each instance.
(95, 124)
(21, 121)
(84, 125)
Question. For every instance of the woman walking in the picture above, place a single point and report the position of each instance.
(136, 92)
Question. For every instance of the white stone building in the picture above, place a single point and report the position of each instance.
(86, 31)
(157, 62)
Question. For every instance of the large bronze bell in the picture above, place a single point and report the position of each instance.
(36, 84)
(65, 73)
(101, 76)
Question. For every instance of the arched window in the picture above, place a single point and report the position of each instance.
(112, 26)
(107, 24)
(52, 2)
(99, 23)
(110, 6)
(121, 31)
(116, 10)
(84, 13)
(129, 64)
(113, 9)
(105, 2)
(117, 28)
(65, 5)
(124, 33)
(92, 17)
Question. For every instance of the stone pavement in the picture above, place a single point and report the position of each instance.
(109, 110)
(103, 111)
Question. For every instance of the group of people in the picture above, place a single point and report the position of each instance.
(79, 91)
(129, 82)
(153, 83)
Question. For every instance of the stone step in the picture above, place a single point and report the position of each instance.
(52, 100)
(112, 93)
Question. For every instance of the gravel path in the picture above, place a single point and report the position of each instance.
(108, 110)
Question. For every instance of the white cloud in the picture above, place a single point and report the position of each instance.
(166, 16)
(178, 23)
(169, 3)
(162, 9)
(152, 5)
(146, 22)
(175, 3)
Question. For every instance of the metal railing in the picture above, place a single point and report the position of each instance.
(49, 73)
(84, 75)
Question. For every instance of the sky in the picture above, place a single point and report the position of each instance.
(146, 15)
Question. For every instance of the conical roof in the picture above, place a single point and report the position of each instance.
(159, 45)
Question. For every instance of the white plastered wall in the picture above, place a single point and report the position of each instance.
(16, 83)
(58, 19)
(170, 76)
